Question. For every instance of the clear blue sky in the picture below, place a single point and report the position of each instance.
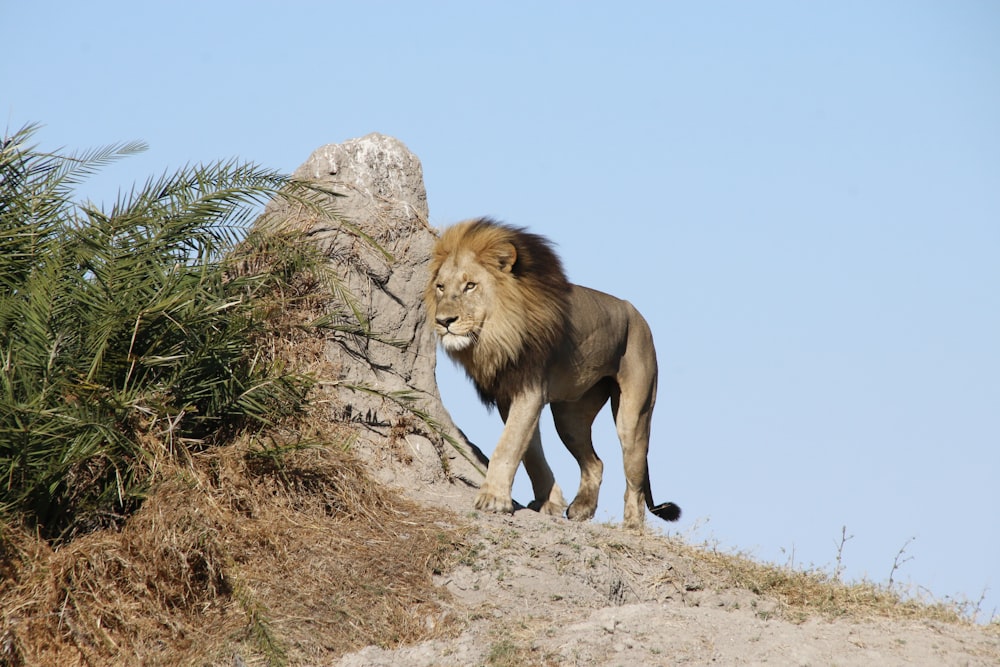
(803, 199)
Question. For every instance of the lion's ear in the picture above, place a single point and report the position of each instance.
(506, 255)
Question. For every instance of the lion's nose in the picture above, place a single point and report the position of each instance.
(445, 322)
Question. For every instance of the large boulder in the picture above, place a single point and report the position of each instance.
(386, 383)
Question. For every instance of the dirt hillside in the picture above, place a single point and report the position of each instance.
(532, 590)
(535, 590)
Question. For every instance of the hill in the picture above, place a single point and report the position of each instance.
(344, 536)
(536, 590)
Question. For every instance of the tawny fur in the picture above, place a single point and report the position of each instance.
(502, 307)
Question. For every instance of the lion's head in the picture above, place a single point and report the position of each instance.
(497, 299)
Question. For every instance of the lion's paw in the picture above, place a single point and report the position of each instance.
(491, 502)
(579, 511)
(552, 508)
(554, 505)
(549, 507)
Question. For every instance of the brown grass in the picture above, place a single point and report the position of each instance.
(802, 594)
(277, 548)
(293, 559)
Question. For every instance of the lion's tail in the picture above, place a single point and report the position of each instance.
(665, 511)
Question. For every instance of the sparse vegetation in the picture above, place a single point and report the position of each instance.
(158, 474)
(510, 650)
(805, 593)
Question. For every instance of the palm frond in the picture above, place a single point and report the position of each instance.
(114, 322)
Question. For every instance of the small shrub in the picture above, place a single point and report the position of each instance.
(130, 334)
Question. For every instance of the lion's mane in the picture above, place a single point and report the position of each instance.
(528, 316)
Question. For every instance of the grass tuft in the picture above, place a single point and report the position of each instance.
(806, 593)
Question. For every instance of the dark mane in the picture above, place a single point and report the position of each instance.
(530, 321)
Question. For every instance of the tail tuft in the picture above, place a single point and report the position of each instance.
(667, 511)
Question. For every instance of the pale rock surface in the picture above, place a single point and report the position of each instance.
(382, 195)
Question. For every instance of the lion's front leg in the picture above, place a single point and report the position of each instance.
(520, 424)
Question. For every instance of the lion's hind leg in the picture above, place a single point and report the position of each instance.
(632, 407)
(632, 422)
(548, 495)
(573, 424)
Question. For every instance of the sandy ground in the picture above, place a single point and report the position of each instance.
(537, 590)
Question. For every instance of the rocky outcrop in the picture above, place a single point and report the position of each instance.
(387, 382)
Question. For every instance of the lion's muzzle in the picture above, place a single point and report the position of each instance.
(452, 341)
(447, 321)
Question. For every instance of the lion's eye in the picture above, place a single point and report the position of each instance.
(440, 288)
(470, 286)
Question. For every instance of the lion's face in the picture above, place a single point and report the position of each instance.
(463, 295)
(497, 300)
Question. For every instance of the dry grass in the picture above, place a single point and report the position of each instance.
(802, 594)
(290, 559)
(277, 548)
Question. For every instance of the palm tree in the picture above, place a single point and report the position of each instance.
(125, 335)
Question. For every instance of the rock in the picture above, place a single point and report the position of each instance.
(382, 382)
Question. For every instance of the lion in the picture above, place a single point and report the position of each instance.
(502, 307)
